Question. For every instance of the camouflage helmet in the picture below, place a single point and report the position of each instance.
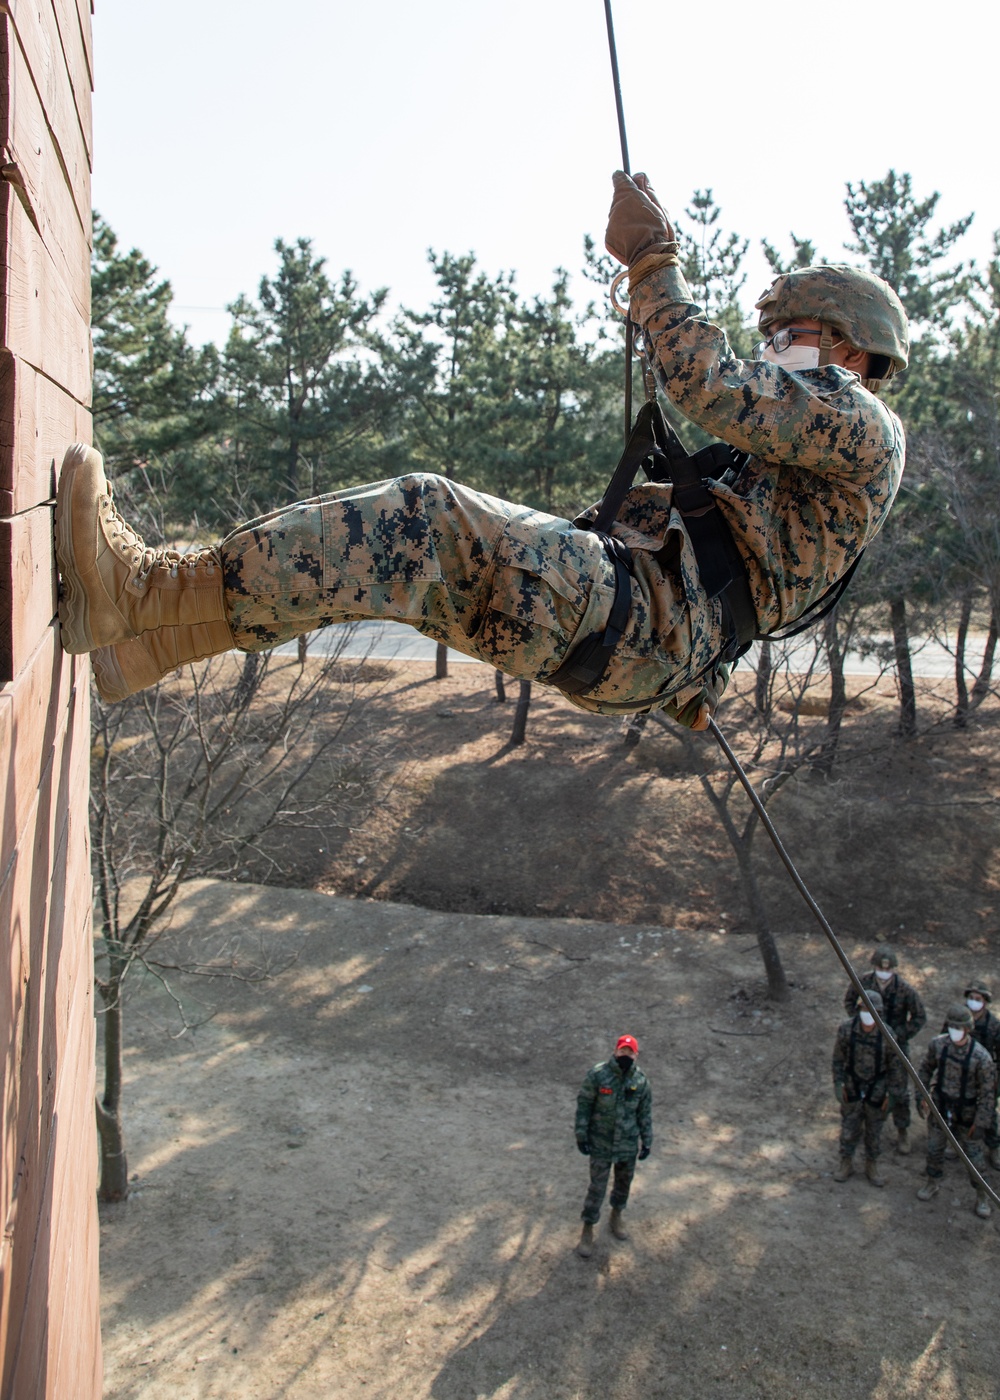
(884, 957)
(865, 310)
(978, 986)
(876, 1000)
(959, 1015)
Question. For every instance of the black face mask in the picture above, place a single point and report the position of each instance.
(624, 1063)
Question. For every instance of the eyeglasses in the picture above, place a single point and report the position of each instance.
(781, 340)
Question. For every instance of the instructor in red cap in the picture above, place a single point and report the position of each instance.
(614, 1127)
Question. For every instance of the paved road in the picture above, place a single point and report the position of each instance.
(394, 641)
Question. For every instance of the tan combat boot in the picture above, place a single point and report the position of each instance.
(872, 1172)
(929, 1189)
(133, 665)
(903, 1142)
(116, 588)
(618, 1225)
(586, 1246)
(983, 1208)
(845, 1168)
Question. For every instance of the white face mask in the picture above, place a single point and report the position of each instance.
(882, 975)
(796, 357)
(957, 1033)
(867, 1019)
(974, 1004)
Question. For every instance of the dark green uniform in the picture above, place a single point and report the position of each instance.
(614, 1117)
(905, 1014)
(866, 1070)
(962, 1080)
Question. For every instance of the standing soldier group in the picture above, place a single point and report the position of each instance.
(958, 1072)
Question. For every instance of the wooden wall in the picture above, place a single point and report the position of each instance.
(49, 1321)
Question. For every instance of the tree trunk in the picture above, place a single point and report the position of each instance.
(244, 691)
(838, 696)
(501, 688)
(904, 669)
(961, 688)
(303, 647)
(982, 686)
(521, 713)
(762, 688)
(114, 1164)
(440, 662)
(777, 982)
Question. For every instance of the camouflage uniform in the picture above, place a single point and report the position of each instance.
(986, 1029)
(906, 1016)
(614, 1114)
(866, 1071)
(962, 1080)
(515, 587)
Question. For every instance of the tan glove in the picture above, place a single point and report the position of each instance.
(698, 709)
(637, 224)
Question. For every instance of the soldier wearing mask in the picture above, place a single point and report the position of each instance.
(614, 1128)
(905, 1015)
(813, 465)
(961, 1078)
(866, 1071)
(986, 1029)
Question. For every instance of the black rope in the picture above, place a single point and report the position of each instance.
(629, 325)
(845, 961)
(734, 761)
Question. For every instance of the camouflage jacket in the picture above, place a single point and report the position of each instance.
(614, 1111)
(864, 1063)
(987, 1032)
(902, 1006)
(825, 460)
(962, 1078)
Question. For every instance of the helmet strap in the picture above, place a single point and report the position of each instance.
(826, 343)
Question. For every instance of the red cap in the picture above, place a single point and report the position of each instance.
(628, 1042)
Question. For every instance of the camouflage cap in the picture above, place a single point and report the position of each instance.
(980, 987)
(884, 956)
(876, 1000)
(959, 1015)
(863, 308)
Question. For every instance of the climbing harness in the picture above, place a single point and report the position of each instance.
(651, 443)
(863, 1088)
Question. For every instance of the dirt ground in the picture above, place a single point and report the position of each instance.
(359, 1179)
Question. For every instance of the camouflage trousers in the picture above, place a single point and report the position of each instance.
(862, 1116)
(937, 1143)
(509, 586)
(600, 1170)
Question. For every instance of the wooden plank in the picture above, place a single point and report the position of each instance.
(61, 70)
(40, 322)
(33, 725)
(26, 558)
(53, 184)
(32, 895)
(46, 905)
(38, 421)
(76, 33)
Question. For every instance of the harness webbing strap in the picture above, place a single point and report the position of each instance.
(850, 1059)
(589, 659)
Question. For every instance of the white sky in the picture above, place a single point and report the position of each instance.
(381, 129)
